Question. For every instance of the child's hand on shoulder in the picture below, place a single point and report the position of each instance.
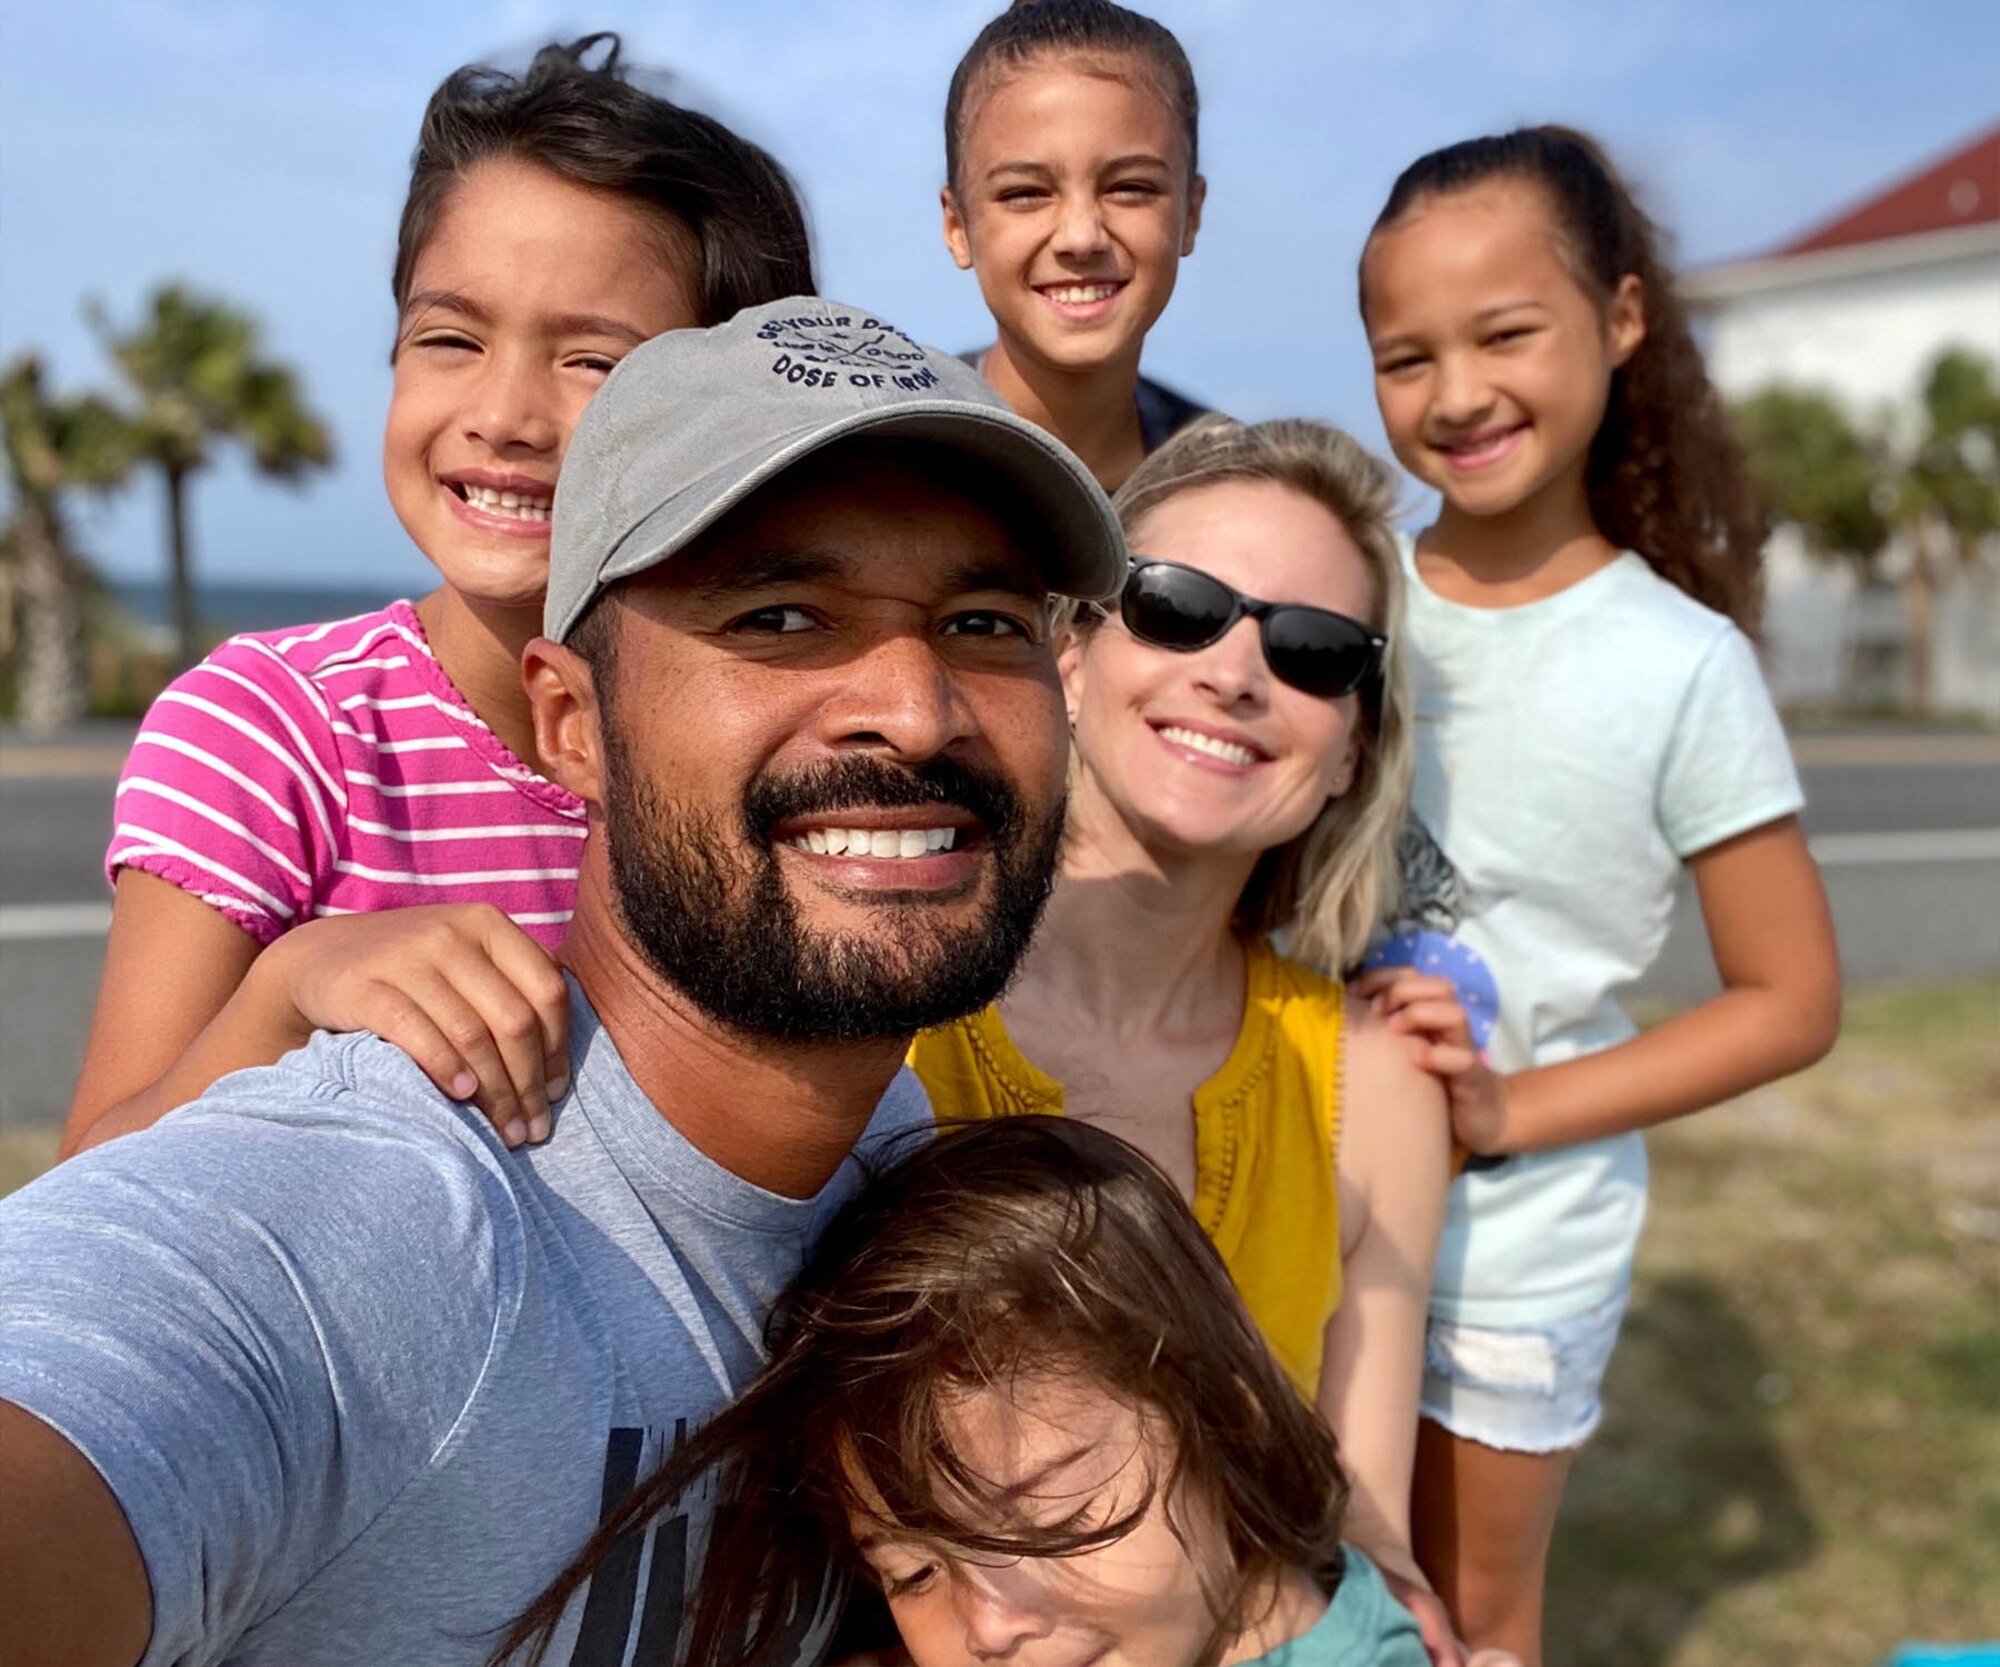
(477, 1003)
(1425, 1009)
(1427, 1610)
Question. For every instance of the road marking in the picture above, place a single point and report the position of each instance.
(1931, 845)
(38, 922)
(31, 922)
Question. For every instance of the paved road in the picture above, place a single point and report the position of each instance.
(1908, 828)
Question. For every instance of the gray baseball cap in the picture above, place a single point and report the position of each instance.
(694, 421)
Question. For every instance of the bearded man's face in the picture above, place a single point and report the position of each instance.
(834, 756)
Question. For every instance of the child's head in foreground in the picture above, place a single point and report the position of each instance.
(1016, 1391)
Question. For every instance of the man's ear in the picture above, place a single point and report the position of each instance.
(955, 238)
(562, 699)
(1070, 646)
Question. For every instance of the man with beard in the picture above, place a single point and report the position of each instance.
(315, 1371)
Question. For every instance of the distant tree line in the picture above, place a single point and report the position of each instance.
(193, 375)
(1903, 497)
(1902, 500)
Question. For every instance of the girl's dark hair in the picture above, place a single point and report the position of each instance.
(1665, 475)
(994, 1252)
(1094, 28)
(594, 127)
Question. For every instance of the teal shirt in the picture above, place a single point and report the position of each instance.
(1363, 1627)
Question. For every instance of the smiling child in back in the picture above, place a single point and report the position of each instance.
(346, 826)
(1073, 192)
(1590, 717)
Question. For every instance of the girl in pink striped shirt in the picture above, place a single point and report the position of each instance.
(344, 826)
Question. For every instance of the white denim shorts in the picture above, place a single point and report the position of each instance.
(1522, 1389)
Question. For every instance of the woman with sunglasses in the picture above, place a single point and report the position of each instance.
(1241, 764)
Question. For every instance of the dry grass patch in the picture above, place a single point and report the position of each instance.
(24, 1154)
(1802, 1456)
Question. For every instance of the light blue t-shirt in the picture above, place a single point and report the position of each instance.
(1571, 754)
(363, 1381)
(1364, 1626)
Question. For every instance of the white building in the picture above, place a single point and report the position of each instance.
(1860, 307)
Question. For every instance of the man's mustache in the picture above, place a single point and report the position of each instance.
(864, 781)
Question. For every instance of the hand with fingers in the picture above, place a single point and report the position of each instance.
(475, 1001)
(1433, 1623)
(1426, 1009)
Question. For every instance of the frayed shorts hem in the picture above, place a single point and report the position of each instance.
(1521, 1389)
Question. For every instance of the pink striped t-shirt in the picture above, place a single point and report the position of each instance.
(335, 769)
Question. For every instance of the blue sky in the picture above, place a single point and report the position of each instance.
(260, 150)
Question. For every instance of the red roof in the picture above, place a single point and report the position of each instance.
(1961, 190)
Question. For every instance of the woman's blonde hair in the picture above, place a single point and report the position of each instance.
(1332, 885)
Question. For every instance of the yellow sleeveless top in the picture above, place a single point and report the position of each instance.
(1266, 1131)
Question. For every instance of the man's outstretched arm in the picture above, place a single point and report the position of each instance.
(226, 1345)
(73, 1591)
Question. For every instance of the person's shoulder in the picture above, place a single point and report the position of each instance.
(1304, 995)
(329, 642)
(352, 1114)
(1382, 1090)
(1378, 1056)
(1365, 1065)
(356, 1068)
(1163, 411)
(274, 683)
(236, 789)
(383, 650)
(1658, 611)
(294, 1185)
(307, 651)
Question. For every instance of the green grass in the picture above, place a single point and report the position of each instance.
(1801, 1462)
(24, 1154)
(1801, 1459)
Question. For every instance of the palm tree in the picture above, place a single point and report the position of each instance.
(1813, 468)
(1946, 493)
(198, 370)
(52, 445)
(1854, 492)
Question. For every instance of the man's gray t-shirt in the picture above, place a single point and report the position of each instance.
(363, 1381)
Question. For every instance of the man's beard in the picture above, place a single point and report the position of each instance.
(724, 930)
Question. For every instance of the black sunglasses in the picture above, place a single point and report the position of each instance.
(1313, 649)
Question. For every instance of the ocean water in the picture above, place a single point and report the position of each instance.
(225, 608)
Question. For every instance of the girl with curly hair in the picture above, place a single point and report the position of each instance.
(1590, 717)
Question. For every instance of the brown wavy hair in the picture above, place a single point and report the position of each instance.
(995, 1252)
(1666, 476)
(726, 205)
